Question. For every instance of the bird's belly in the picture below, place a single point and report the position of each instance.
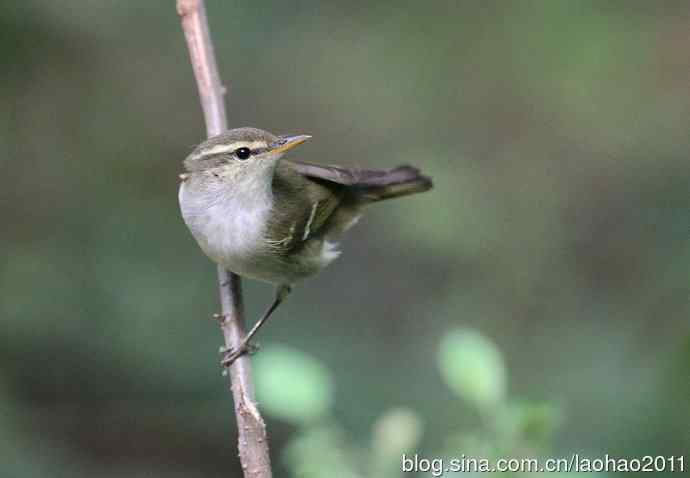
(238, 246)
(234, 243)
(231, 232)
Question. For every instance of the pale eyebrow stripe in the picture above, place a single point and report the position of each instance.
(226, 148)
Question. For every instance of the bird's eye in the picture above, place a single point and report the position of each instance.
(243, 153)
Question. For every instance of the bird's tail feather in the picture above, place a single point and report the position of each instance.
(379, 185)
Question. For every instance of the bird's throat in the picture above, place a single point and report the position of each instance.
(228, 214)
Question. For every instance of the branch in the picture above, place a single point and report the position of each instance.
(252, 444)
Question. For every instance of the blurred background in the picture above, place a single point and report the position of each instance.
(536, 303)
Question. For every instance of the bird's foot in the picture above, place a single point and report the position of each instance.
(232, 354)
(220, 318)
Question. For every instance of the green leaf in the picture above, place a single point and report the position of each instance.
(472, 366)
(397, 431)
(292, 385)
(535, 423)
(322, 450)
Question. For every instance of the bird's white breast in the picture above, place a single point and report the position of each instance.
(228, 221)
(229, 218)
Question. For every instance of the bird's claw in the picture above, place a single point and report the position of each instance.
(232, 354)
(219, 317)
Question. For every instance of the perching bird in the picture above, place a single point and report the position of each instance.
(274, 219)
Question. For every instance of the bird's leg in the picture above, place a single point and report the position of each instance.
(229, 356)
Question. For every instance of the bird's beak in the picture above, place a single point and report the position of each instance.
(287, 142)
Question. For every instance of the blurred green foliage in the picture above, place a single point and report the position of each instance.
(292, 385)
(473, 368)
(557, 136)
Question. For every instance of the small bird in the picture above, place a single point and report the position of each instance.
(273, 219)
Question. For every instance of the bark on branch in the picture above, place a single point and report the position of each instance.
(252, 443)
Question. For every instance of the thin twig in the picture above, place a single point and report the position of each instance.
(252, 444)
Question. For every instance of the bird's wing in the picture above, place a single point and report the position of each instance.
(317, 200)
(367, 185)
(338, 174)
(305, 207)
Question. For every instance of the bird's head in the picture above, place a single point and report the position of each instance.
(244, 151)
